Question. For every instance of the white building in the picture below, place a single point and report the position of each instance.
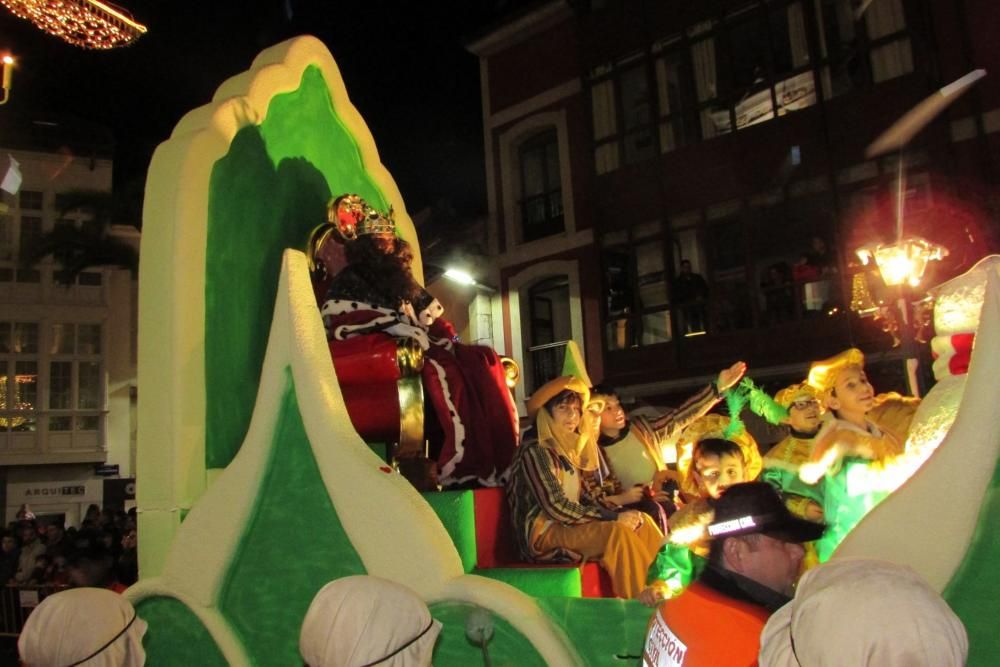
(67, 354)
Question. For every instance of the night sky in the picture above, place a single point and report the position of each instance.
(403, 63)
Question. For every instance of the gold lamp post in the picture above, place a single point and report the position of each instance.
(8, 77)
(902, 263)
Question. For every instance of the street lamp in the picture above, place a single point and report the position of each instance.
(901, 265)
(903, 262)
(465, 278)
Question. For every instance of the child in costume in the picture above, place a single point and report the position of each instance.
(713, 456)
(859, 435)
(554, 518)
(782, 462)
(603, 486)
(632, 449)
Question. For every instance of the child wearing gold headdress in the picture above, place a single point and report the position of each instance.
(554, 518)
(711, 458)
(783, 461)
(858, 423)
(860, 435)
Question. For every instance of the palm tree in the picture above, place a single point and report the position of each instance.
(77, 248)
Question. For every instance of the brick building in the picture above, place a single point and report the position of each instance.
(676, 185)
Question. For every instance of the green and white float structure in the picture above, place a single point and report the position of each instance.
(254, 490)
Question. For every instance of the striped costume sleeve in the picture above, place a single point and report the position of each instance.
(538, 468)
(676, 420)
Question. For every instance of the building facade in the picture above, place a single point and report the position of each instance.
(677, 185)
(67, 352)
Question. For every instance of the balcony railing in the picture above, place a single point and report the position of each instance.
(546, 363)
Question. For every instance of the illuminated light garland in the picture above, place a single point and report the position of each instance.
(86, 23)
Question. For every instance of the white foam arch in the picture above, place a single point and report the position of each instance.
(171, 364)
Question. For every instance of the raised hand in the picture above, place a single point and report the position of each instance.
(731, 375)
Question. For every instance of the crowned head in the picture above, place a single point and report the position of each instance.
(351, 217)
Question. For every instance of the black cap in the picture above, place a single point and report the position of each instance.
(755, 507)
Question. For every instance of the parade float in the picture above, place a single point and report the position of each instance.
(254, 487)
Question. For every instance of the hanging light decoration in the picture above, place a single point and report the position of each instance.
(86, 23)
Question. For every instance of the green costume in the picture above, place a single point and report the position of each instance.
(781, 470)
(677, 565)
(848, 495)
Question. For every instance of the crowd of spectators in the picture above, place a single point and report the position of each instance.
(99, 553)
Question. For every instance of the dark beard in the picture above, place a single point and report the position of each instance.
(388, 274)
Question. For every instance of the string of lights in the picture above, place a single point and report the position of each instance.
(89, 24)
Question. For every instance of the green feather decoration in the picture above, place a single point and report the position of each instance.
(736, 400)
(762, 404)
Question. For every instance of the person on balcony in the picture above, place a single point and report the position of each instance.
(466, 384)
(554, 519)
(691, 293)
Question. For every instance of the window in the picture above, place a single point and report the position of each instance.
(637, 301)
(31, 231)
(31, 200)
(91, 226)
(6, 237)
(51, 378)
(674, 101)
(75, 381)
(730, 302)
(89, 278)
(541, 187)
(550, 328)
(691, 293)
(18, 376)
(795, 272)
(890, 48)
(637, 114)
(703, 65)
(761, 61)
(623, 113)
(605, 119)
(28, 276)
(858, 50)
(752, 68)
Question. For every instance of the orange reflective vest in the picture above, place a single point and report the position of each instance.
(704, 628)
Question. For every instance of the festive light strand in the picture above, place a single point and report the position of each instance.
(86, 23)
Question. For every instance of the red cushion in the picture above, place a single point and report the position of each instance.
(595, 582)
(364, 360)
(495, 543)
(367, 371)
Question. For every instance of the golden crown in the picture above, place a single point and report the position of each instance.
(351, 217)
